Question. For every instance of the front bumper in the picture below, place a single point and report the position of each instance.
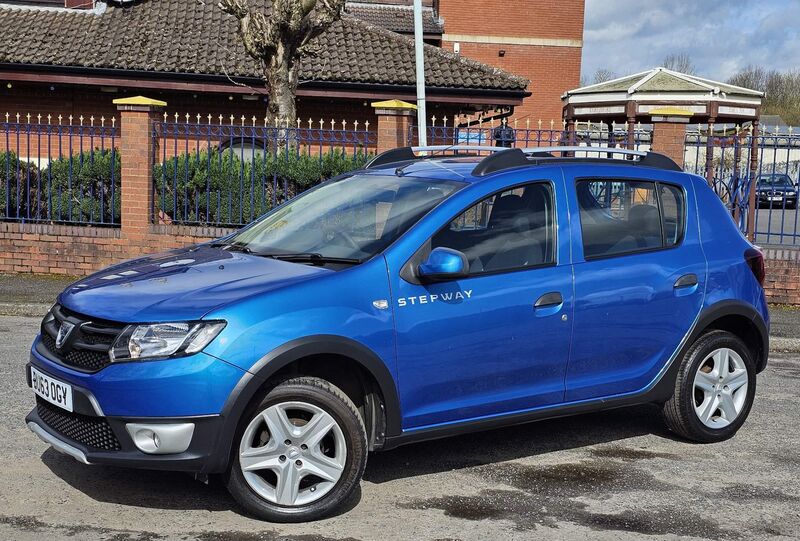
(201, 456)
(192, 390)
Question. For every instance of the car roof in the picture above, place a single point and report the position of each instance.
(473, 168)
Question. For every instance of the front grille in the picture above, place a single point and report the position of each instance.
(93, 432)
(88, 344)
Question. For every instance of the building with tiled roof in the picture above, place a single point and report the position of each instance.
(540, 41)
(54, 59)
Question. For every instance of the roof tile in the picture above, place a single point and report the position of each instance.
(184, 36)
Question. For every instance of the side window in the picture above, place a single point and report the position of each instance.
(619, 217)
(672, 208)
(509, 230)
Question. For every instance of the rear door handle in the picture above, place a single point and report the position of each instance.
(687, 280)
(547, 300)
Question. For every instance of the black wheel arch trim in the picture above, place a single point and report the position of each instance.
(731, 307)
(284, 355)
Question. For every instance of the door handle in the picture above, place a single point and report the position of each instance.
(548, 300)
(687, 280)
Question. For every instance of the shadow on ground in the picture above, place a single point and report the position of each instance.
(515, 442)
(149, 488)
(179, 491)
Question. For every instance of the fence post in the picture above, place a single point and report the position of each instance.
(136, 154)
(710, 152)
(669, 132)
(394, 123)
(752, 200)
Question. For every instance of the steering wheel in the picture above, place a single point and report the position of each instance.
(330, 235)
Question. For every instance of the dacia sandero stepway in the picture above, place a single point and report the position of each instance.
(423, 296)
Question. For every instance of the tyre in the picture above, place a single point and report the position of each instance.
(300, 452)
(714, 389)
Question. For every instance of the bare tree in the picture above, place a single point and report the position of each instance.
(602, 75)
(680, 62)
(277, 37)
(781, 91)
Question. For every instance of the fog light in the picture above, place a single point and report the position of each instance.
(161, 439)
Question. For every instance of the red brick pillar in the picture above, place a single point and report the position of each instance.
(669, 132)
(137, 152)
(394, 123)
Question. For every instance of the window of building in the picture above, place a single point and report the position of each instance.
(625, 216)
(514, 229)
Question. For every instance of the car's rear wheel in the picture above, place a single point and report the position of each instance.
(714, 389)
(300, 453)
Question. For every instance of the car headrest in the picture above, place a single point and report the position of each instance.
(645, 220)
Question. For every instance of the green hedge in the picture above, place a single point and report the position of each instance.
(74, 189)
(209, 187)
(222, 189)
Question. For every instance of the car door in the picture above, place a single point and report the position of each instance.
(640, 277)
(477, 346)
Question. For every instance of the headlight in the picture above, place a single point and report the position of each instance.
(161, 340)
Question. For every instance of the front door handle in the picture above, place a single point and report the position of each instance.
(687, 280)
(547, 300)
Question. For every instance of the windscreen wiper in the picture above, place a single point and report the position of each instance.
(312, 257)
(233, 247)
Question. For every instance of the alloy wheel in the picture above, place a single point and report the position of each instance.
(720, 388)
(292, 453)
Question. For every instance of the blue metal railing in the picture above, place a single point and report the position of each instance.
(229, 174)
(59, 173)
(517, 136)
(727, 160)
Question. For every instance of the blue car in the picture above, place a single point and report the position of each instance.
(421, 297)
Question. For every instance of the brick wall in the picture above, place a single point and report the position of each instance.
(551, 70)
(783, 275)
(669, 139)
(528, 28)
(80, 250)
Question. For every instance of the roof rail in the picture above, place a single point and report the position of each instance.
(541, 155)
(501, 158)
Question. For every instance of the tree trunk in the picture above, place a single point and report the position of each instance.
(281, 78)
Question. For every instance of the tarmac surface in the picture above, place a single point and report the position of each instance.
(617, 475)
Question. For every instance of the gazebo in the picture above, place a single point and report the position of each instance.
(667, 99)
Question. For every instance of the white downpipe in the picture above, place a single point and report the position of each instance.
(420, 60)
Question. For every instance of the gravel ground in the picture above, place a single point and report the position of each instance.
(617, 475)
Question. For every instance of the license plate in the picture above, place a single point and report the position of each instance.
(778, 198)
(52, 390)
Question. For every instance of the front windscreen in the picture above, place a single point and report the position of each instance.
(353, 218)
(775, 180)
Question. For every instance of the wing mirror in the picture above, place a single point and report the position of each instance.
(443, 264)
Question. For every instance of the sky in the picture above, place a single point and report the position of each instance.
(721, 36)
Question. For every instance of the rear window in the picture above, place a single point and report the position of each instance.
(626, 216)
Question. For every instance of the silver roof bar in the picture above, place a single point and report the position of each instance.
(530, 150)
(602, 150)
(473, 148)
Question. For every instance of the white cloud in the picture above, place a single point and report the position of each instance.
(627, 36)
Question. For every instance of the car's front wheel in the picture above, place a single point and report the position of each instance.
(300, 452)
(714, 389)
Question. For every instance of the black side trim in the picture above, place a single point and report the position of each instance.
(286, 354)
(660, 392)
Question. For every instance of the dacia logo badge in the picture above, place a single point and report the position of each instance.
(63, 333)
